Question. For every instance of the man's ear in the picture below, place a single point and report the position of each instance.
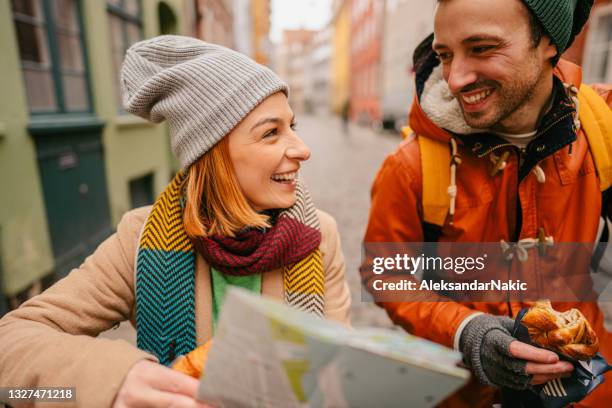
(549, 50)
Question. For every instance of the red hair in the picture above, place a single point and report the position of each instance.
(215, 203)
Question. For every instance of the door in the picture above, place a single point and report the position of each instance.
(76, 201)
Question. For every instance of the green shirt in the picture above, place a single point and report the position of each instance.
(219, 284)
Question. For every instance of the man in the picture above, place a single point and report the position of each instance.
(526, 171)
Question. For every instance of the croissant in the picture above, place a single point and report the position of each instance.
(193, 362)
(568, 333)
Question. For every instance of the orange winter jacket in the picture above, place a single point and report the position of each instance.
(510, 205)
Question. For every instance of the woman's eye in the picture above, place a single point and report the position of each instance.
(270, 133)
(294, 126)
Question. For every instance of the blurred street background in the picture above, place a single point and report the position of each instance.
(73, 161)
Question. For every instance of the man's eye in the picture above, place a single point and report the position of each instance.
(444, 56)
(482, 49)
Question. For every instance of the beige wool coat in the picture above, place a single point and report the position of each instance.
(51, 339)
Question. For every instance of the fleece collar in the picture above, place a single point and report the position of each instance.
(441, 106)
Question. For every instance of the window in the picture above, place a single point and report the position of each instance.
(141, 191)
(125, 21)
(598, 66)
(50, 41)
(167, 19)
(599, 52)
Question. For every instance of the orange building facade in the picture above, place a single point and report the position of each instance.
(367, 18)
(261, 28)
(214, 21)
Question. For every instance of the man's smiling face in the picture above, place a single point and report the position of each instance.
(490, 61)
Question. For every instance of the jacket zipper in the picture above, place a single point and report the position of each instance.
(553, 124)
(499, 146)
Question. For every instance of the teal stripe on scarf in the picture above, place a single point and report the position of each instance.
(165, 303)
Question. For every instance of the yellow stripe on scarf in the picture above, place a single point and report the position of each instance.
(304, 284)
(164, 228)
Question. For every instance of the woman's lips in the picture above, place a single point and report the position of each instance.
(288, 179)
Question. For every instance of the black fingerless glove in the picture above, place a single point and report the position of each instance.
(485, 343)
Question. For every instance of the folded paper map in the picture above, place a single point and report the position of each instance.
(266, 354)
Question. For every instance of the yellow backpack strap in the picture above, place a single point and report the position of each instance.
(435, 177)
(406, 131)
(596, 121)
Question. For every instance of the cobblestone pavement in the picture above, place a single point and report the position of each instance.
(339, 175)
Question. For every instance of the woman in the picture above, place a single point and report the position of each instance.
(236, 215)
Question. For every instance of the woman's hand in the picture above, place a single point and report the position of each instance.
(149, 384)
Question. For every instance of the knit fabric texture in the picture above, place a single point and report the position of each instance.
(294, 234)
(166, 266)
(485, 343)
(203, 90)
(562, 19)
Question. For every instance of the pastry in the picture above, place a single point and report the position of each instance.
(568, 333)
(193, 362)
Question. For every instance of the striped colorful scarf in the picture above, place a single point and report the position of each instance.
(165, 268)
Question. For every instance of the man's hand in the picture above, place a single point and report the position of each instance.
(149, 384)
(496, 358)
(543, 364)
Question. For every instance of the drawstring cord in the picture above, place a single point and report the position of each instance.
(521, 247)
(452, 188)
(572, 92)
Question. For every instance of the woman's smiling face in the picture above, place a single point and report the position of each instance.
(266, 154)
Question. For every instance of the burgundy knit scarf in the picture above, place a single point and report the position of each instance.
(294, 234)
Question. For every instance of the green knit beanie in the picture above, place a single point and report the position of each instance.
(562, 19)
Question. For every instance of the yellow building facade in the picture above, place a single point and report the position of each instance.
(261, 27)
(341, 40)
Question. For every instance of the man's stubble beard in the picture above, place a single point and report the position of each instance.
(511, 98)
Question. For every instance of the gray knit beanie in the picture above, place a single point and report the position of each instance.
(203, 90)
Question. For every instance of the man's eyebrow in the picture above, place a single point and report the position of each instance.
(438, 46)
(470, 40)
(264, 121)
(481, 37)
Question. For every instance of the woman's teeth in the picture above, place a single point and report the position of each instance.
(477, 98)
(285, 177)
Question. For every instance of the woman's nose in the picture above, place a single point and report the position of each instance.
(298, 150)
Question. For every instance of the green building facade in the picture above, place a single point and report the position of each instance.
(72, 161)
